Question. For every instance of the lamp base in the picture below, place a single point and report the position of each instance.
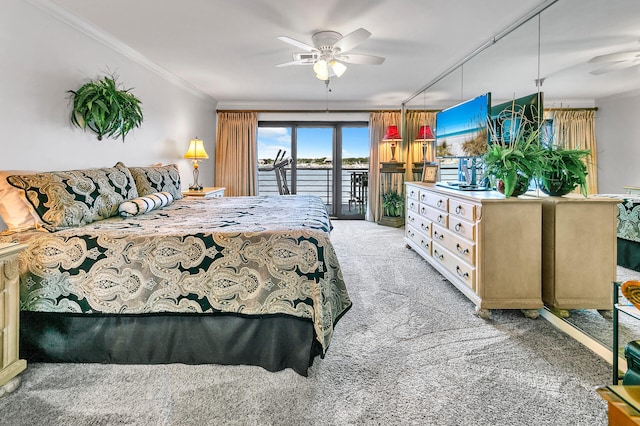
(195, 186)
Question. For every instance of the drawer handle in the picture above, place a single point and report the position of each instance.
(439, 203)
(422, 210)
(422, 197)
(437, 255)
(410, 234)
(459, 272)
(458, 227)
(412, 192)
(459, 248)
(459, 209)
(423, 244)
(411, 218)
(438, 236)
(440, 218)
(424, 227)
(412, 205)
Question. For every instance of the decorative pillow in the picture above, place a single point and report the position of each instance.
(142, 205)
(15, 210)
(157, 179)
(77, 197)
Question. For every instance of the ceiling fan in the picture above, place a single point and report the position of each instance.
(616, 61)
(328, 55)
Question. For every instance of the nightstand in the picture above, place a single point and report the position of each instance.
(206, 192)
(10, 364)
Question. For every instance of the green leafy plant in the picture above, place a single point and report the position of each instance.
(515, 162)
(106, 108)
(392, 204)
(563, 170)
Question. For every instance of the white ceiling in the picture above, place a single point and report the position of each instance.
(229, 49)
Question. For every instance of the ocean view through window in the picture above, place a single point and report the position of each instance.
(330, 160)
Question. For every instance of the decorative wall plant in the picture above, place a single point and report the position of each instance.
(106, 108)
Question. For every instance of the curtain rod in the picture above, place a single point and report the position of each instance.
(539, 9)
(302, 111)
(572, 109)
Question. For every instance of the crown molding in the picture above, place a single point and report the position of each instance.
(113, 43)
(275, 106)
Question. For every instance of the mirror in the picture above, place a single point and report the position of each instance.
(552, 52)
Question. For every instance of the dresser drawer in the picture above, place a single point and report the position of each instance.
(420, 239)
(463, 210)
(457, 245)
(436, 201)
(412, 205)
(462, 227)
(422, 224)
(461, 270)
(435, 216)
(413, 193)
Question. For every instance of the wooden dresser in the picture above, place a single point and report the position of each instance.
(10, 364)
(487, 246)
(579, 252)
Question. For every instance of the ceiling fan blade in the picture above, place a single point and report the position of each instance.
(291, 63)
(614, 67)
(616, 57)
(297, 43)
(355, 58)
(352, 39)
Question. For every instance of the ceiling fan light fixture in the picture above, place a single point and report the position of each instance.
(337, 67)
(321, 68)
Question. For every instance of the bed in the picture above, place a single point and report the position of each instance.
(235, 280)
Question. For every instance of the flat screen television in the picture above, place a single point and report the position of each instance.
(506, 117)
(462, 130)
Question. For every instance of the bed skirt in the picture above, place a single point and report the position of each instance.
(629, 254)
(274, 342)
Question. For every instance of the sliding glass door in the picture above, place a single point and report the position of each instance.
(330, 160)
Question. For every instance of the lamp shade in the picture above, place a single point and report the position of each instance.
(196, 150)
(425, 134)
(392, 134)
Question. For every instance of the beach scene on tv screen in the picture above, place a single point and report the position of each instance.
(461, 131)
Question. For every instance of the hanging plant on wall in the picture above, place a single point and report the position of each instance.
(106, 108)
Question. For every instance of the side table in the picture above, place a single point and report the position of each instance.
(623, 404)
(206, 192)
(10, 364)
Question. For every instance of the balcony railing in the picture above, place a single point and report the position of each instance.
(319, 181)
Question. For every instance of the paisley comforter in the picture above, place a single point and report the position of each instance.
(629, 219)
(245, 255)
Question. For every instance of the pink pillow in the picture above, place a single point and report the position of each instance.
(16, 212)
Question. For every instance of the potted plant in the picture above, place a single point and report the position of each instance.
(512, 162)
(563, 170)
(392, 204)
(106, 108)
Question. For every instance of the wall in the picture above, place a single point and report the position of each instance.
(618, 137)
(44, 57)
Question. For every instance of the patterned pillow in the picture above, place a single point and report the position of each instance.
(142, 205)
(76, 197)
(16, 212)
(154, 179)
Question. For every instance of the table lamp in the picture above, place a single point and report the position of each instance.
(196, 153)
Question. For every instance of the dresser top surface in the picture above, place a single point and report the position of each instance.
(478, 196)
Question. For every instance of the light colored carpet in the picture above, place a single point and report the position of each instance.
(411, 351)
(599, 327)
